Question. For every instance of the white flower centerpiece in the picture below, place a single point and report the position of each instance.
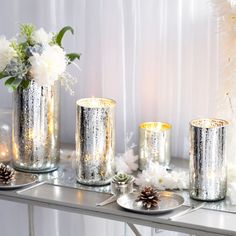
(32, 66)
(37, 56)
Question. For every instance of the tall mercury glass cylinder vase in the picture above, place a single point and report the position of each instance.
(95, 141)
(36, 128)
(208, 180)
(154, 144)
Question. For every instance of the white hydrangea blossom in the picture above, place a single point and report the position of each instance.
(6, 52)
(127, 162)
(158, 177)
(49, 66)
(42, 37)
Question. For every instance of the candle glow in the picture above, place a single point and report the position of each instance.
(154, 144)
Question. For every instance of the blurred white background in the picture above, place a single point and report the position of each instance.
(156, 58)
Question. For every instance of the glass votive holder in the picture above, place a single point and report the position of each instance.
(5, 135)
(120, 188)
(154, 144)
(95, 141)
(207, 168)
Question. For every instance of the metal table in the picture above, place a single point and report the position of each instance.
(59, 190)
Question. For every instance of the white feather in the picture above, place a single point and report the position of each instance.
(127, 162)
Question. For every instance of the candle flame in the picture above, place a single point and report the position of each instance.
(155, 126)
(3, 154)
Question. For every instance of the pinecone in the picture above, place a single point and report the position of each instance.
(6, 174)
(149, 197)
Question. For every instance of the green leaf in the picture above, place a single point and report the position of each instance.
(2, 75)
(72, 56)
(25, 83)
(12, 83)
(15, 84)
(60, 35)
(8, 82)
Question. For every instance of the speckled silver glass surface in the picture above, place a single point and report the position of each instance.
(207, 159)
(36, 126)
(95, 141)
(154, 144)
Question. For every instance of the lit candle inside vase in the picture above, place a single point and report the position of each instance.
(207, 159)
(4, 152)
(5, 135)
(95, 140)
(154, 144)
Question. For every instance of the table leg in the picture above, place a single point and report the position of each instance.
(31, 219)
(134, 229)
(157, 231)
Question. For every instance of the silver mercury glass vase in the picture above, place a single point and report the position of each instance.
(154, 144)
(36, 128)
(95, 141)
(208, 180)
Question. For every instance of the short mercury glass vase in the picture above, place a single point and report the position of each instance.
(36, 128)
(154, 144)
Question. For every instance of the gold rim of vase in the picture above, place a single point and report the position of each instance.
(155, 126)
(96, 102)
(209, 123)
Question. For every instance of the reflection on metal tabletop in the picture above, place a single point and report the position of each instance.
(66, 176)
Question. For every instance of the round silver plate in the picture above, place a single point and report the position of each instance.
(21, 179)
(168, 202)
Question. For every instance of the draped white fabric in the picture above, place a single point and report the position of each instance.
(156, 58)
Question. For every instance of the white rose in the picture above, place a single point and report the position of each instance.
(6, 52)
(42, 37)
(49, 66)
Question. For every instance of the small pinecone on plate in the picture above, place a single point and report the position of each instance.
(6, 174)
(149, 197)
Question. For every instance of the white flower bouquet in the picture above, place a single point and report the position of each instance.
(35, 55)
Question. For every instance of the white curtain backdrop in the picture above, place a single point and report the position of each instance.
(156, 58)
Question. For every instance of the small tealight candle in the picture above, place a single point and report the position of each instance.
(154, 144)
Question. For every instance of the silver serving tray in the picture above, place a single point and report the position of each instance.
(21, 180)
(168, 202)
